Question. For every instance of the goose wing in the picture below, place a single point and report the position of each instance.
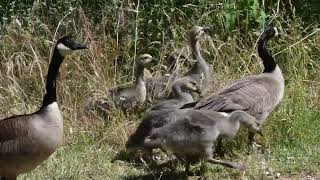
(253, 94)
(13, 135)
(117, 90)
(125, 96)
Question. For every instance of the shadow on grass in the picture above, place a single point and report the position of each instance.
(160, 175)
(122, 156)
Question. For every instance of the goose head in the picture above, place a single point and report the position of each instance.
(270, 32)
(252, 123)
(249, 121)
(145, 60)
(197, 32)
(66, 45)
(191, 85)
(187, 85)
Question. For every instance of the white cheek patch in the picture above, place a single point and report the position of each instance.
(224, 114)
(122, 98)
(63, 50)
(276, 32)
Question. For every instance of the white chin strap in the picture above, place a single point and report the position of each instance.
(276, 32)
(63, 49)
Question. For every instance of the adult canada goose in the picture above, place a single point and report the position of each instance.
(193, 135)
(258, 95)
(162, 112)
(158, 86)
(127, 96)
(200, 71)
(27, 140)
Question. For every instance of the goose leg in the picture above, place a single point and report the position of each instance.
(147, 156)
(229, 164)
(209, 158)
(250, 138)
(171, 164)
(219, 150)
(187, 169)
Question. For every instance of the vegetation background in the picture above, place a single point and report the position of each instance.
(116, 31)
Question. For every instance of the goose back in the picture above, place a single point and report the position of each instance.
(257, 95)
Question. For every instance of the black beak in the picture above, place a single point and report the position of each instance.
(198, 91)
(78, 46)
(208, 30)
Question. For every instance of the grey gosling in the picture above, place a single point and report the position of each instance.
(258, 95)
(162, 113)
(126, 97)
(181, 93)
(200, 71)
(158, 86)
(27, 140)
(193, 135)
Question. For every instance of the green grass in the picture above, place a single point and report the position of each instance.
(94, 146)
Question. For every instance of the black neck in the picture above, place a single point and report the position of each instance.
(268, 61)
(51, 94)
(139, 73)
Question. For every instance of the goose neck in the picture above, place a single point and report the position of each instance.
(196, 50)
(179, 94)
(139, 74)
(51, 95)
(268, 61)
(230, 127)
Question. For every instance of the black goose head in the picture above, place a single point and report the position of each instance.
(66, 45)
(264, 53)
(270, 32)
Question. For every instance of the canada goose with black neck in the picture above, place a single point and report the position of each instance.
(27, 140)
(258, 95)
